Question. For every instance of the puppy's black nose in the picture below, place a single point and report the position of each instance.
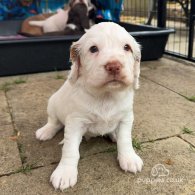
(113, 67)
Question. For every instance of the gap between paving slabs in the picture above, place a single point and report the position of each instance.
(191, 99)
(105, 176)
(138, 146)
(15, 131)
(173, 75)
(10, 159)
(6, 87)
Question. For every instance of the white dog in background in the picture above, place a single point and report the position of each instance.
(54, 23)
(96, 99)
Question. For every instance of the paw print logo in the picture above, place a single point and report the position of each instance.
(159, 170)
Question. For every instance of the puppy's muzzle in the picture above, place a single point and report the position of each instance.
(113, 68)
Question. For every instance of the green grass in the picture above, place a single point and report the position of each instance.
(26, 168)
(59, 76)
(6, 86)
(136, 144)
(19, 81)
(192, 98)
(187, 130)
(110, 150)
(22, 153)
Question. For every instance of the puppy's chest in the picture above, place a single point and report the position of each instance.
(105, 118)
(102, 127)
(105, 124)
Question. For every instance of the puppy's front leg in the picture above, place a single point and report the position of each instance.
(128, 159)
(65, 175)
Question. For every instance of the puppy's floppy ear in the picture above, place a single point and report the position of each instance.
(137, 57)
(75, 59)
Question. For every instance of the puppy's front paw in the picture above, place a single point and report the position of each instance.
(131, 162)
(64, 177)
(45, 133)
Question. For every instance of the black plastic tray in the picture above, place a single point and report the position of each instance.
(41, 54)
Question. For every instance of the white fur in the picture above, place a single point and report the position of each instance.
(92, 103)
(54, 23)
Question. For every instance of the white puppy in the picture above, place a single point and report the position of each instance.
(54, 23)
(96, 99)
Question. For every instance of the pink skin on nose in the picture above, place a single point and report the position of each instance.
(113, 67)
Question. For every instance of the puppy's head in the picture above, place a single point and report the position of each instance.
(106, 56)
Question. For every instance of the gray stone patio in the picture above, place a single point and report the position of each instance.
(164, 133)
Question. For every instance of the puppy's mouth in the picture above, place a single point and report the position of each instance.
(114, 83)
(116, 79)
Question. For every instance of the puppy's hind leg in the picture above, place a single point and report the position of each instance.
(49, 130)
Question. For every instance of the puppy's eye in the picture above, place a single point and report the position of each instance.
(93, 49)
(127, 47)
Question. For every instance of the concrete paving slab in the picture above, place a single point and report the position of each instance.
(5, 118)
(172, 74)
(100, 174)
(189, 138)
(29, 103)
(10, 159)
(6, 126)
(6, 130)
(160, 112)
(58, 75)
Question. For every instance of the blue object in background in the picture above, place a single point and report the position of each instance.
(106, 14)
(112, 6)
(18, 9)
(21, 9)
(52, 5)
